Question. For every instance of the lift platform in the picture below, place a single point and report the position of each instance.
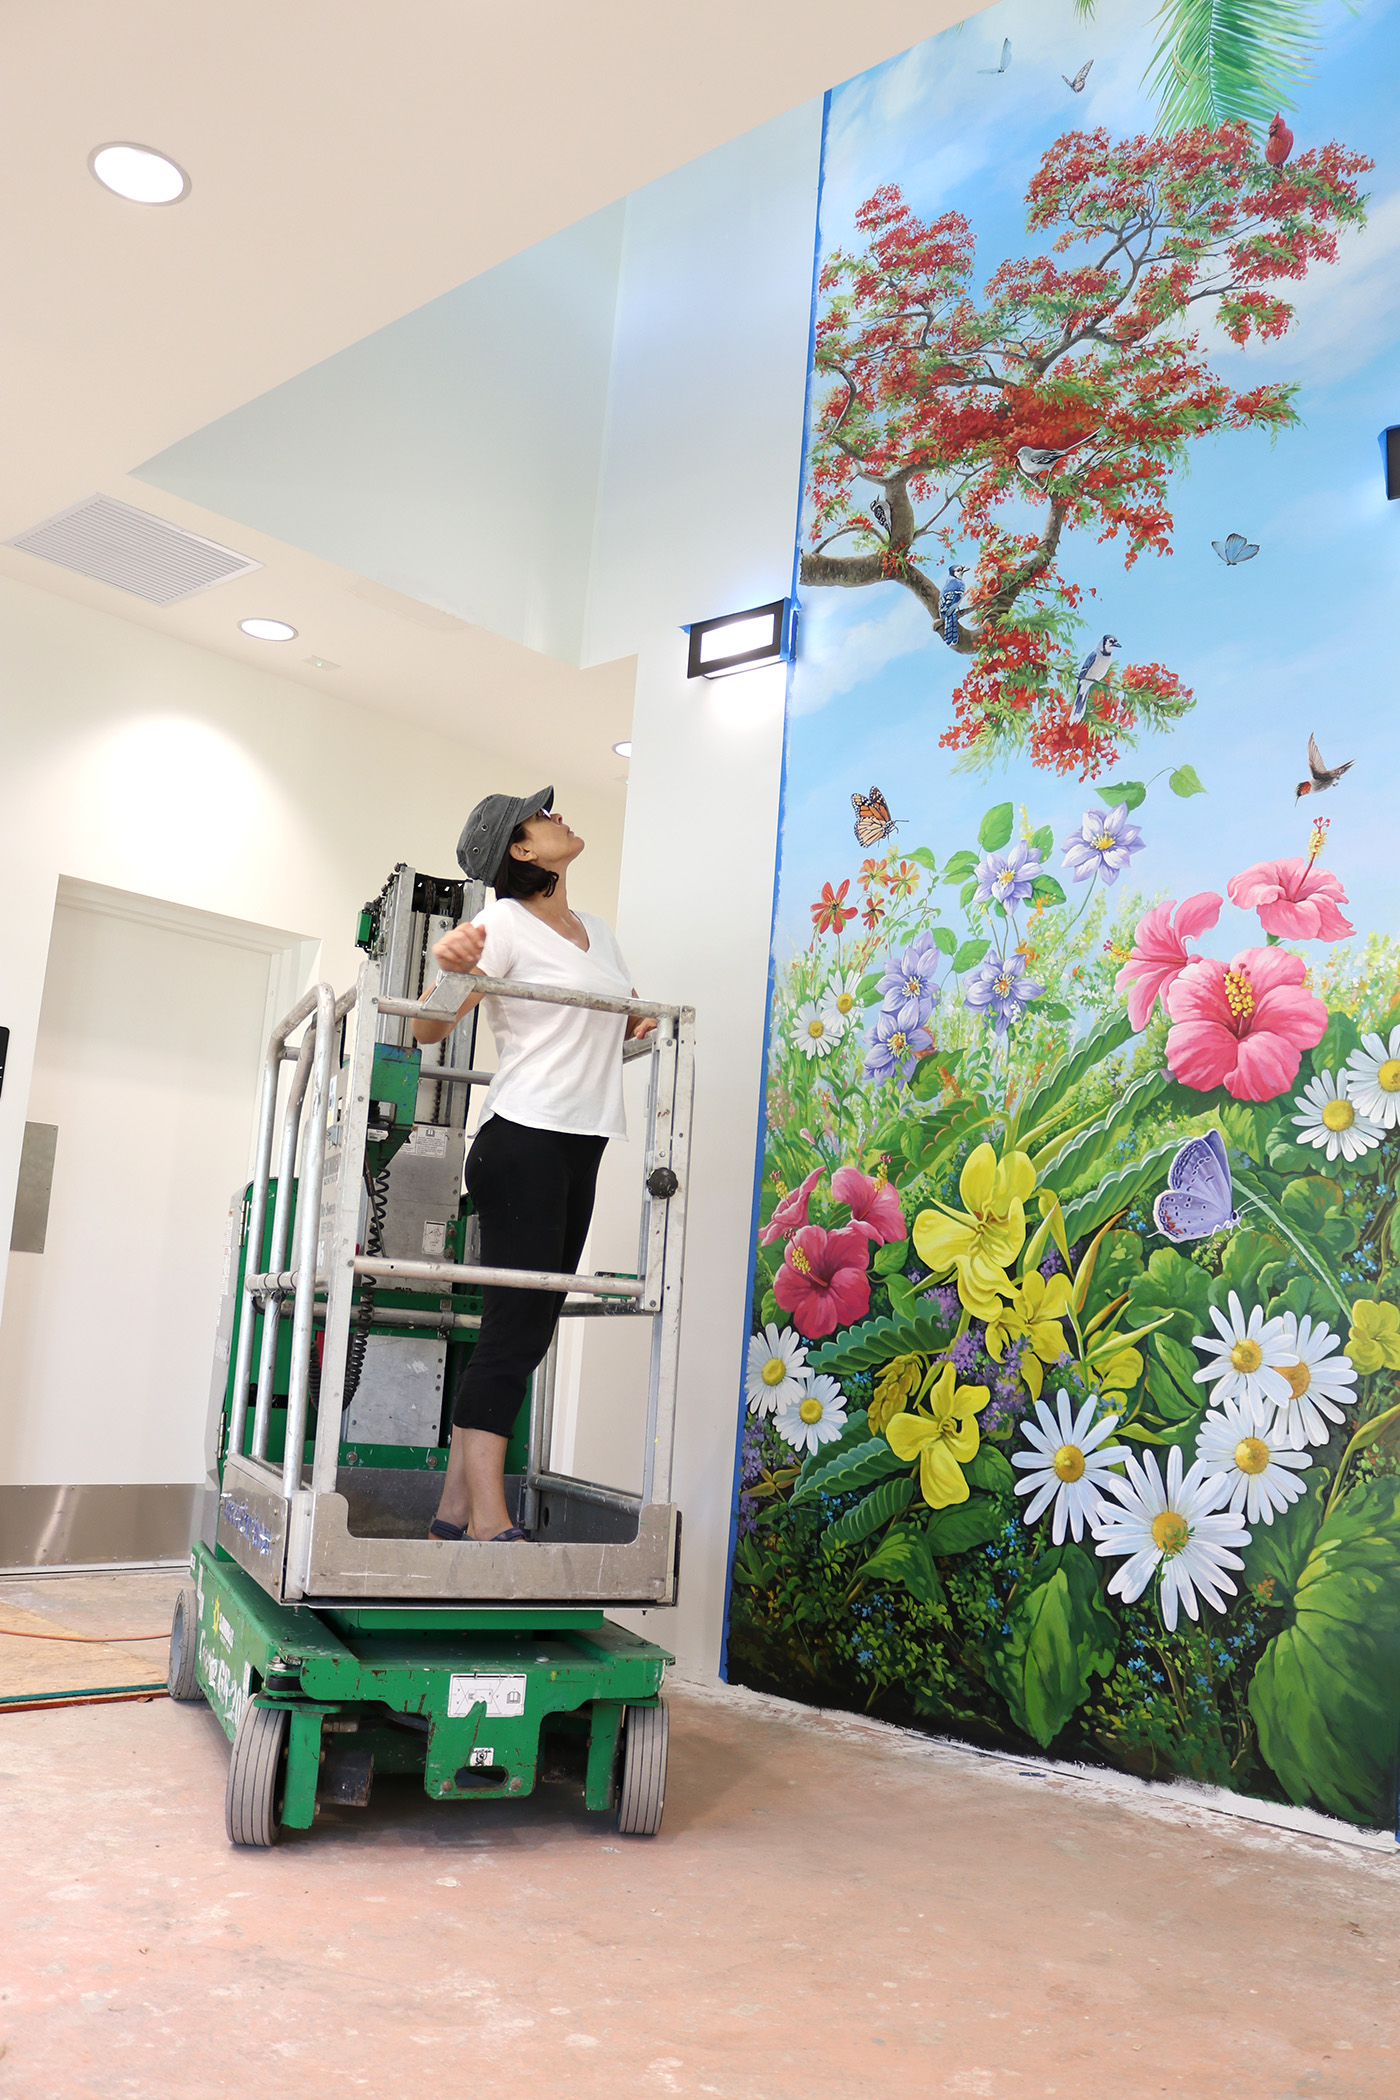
(331, 1636)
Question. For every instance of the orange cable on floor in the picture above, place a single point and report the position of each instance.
(86, 1640)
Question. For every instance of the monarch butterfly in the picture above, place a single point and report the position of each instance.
(873, 819)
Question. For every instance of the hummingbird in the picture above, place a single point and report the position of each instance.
(1322, 776)
(1280, 142)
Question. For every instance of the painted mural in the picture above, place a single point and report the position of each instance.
(1071, 1414)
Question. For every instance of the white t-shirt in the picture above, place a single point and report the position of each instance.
(560, 1066)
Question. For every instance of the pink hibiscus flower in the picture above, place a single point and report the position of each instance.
(874, 1205)
(791, 1212)
(1244, 1024)
(823, 1283)
(1294, 899)
(1160, 953)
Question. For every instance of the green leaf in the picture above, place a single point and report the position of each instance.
(890, 1259)
(969, 955)
(927, 1080)
(1129, 792)
(1118, 1191)
(1105, 1037)
(1172, 1284)
(962, 864)
(1219, 61)
(1342, 1037)
(967, 893)
(855, 1432)
(995, 828)
(1277, 1553)
(868, 990)
(988, 1469)
(1248, 1125)
(859, 1467)
(1186, 781)
(1047, 890)
(1083, 1153)
(1062, 1634)
(877, 1509)
(925, 859)
(944, 937)
(769, 1310)
(1044, 840)
(1325, 1695)
(975, 1522)
(877, 1342)
(1118, 1266)
(1171, 1379)
(903, 1556)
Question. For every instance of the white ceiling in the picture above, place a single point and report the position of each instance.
(351, 160)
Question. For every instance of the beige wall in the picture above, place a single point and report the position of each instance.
(138, 762)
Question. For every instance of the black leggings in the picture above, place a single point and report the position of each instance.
(533, 1191)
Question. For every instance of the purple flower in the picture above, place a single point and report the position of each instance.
(1103, 845)
(1007, 878)
(1001, 987)
(909, 986)
(947, 1297)
(1052, 1265)
(965, 1353)
(894, 1048)
(751, 1454)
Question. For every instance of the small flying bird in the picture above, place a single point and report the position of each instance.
(880, 512)
(1092, 672)
(1039, 459)
(1235, 548)
(949, 599)
(1005, 59)
(1079, 79)
(1322, 776)
(1279, 143)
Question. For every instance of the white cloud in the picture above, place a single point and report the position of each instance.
(836, 652)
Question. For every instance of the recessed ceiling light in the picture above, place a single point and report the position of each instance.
(623, 750)
(269, 630)
(139, 174)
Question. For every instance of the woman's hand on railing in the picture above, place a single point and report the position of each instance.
(460, 950)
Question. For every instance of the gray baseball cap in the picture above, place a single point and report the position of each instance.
(486, 833)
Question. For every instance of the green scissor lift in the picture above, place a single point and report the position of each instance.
(333, 1640)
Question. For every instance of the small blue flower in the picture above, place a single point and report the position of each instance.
(1007, 879)
(909, 985)
(1103, 845)
(1002, 988)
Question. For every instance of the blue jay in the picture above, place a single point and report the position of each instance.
(1092, 672)
(949, 599)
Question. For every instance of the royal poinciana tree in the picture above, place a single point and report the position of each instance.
(933, 394)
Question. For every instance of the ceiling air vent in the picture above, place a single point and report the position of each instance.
(113, 543)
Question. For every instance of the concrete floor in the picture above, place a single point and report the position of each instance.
(831, 1909)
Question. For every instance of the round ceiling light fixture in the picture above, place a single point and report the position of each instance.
(268, 630)
(139, 173)
(623, 750)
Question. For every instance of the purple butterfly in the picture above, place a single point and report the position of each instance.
(1198, 1198)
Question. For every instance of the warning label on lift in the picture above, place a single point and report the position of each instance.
(504, 1697)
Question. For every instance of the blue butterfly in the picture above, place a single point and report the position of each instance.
(1235, 548)
(1199, 1198)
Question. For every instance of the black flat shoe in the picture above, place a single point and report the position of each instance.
(441, 1529)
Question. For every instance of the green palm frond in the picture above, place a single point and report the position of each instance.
(1084, 9)
(1229, 59)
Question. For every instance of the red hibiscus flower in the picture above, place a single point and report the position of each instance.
(1159, 952)
(1293, 898)
(1243, 1024)
(823, 1283)
(830, 912)
(791, 1212)
(874, 1205)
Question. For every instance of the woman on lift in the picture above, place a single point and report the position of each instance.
(555, 1101)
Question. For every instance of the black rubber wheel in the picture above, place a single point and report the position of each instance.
(641, 1794)
(184, 1641)
(253, 1796)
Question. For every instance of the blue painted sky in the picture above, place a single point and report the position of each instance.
(1300, 639)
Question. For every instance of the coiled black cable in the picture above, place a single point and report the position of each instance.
(364, 1315)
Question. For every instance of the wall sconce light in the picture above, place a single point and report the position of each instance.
(1390, 456)
(742, 641)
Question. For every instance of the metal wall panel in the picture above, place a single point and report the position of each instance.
(35, 1187)
(43, 1527)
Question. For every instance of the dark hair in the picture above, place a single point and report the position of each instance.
(522, 878)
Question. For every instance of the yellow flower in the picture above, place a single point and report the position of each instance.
(943, 1440)
(1122, 1371)
(1035, 1311)
(986, 1235)
(1375, 1335)
(896, 1382)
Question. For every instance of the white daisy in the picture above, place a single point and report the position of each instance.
(1065, 1465)
(817, 1418)
(1249, 1358)
(1319, 1382)
(1373, 1079)
(1174, 1528)
(843, 1005)
(1246, 1452)
(775, 1372)
(817, 1030)
(1329, 1118)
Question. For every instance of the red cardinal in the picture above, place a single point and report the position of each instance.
(1280, 143)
